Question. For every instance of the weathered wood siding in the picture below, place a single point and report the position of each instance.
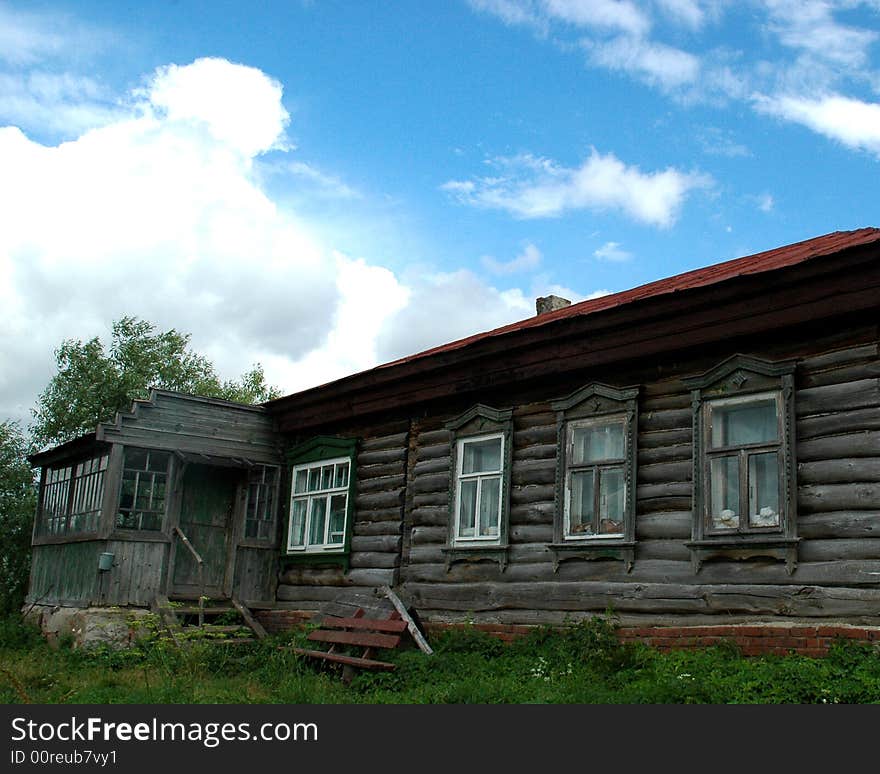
(837, 403)
(377, 529)
(255, 574)
(136, 577)
(197, 425)
(65, 573)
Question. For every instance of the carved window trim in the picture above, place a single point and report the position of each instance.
(480, 421)
(591, 404)
(747, 377)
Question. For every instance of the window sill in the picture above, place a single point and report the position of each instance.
(594, 548)
(465, 553)
(139, 535)
(783, 549)
(72, 537)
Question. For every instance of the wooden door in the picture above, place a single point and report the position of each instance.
(206, 518)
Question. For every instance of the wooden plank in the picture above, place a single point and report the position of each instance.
(369, 624)
(363, 639)
(252, 622)
(342, 658)
(408, 620)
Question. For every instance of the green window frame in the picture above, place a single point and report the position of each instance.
(321, 501)
(144, 489)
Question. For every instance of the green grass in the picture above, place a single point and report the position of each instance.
(583, 664)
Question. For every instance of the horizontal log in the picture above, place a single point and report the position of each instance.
(837, 357)
(369, 528)
(672, 419)
(429, 515)
(664, 438)
(674, 550)
(529, 553)
(665, 525)
(291, 593)
(543, 434)
(661, 472)
(838, 549)
(379, 514)
(536, 419)
(531, 533)
(671, 489)
(433, 452)
(837, 397)
(434, 437)
(677, 400)
(427, 554)
(365, 472)
(656, 504)
(436, 465)
(375, 543)
(839, 524)
(533, 513)
(837, 423)
(863, 444)
(681, 452)
(851, 373)
(523, 495)
(384, 484)
(374, 559)
(394, 441)
(381, 456)
(430, 499)
(841, 471)
(539, 451)
(527, 472)
(436, 482)
(335, 576)
(838, 497)
(379, 500)
(427, 536)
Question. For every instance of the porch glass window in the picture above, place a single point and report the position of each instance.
(743, 462)
(73, 495)
(319, 505)
(595, 485)
(259, 522)
(143, 491)
(478, 488)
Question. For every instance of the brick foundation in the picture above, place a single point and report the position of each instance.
(755, 639)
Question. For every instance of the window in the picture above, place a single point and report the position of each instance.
(479, 485)
(73, 496)
(478, 495)
(595, 481)
(744, 484)
(595, 487)
(319, 505)
(259, 519)
(142, 494)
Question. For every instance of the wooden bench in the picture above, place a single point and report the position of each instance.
(358, 632)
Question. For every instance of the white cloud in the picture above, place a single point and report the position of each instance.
(612, 251)
(531, 187)
(765, 202)
(688, 12)
(612, 14)
(656, 63)
(319, 182)
(852, 122)
(528, 260)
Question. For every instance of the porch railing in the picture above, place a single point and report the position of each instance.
(201, 569)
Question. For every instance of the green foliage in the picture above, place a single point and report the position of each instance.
(17, 506)
(92, 384)
(580, 664)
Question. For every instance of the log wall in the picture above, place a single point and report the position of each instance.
(403, 517)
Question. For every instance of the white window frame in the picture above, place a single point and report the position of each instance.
(327, 494)
(596, 466)
(461, 477)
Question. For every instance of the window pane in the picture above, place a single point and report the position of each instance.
(135, 459)
(597, 442)
(482, 456)
(126, 497)
(316, 525)
(298, 523)
(724, 503)
(764, 490)
(341, 475)
(337, 518)
(467, 508)
(301, 482)
(158, 461)
(744, 423)
(314, 479)
(611, 492)
(489, 506)
(327, 477)
(580, 515)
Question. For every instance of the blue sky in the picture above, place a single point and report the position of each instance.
(322, 186)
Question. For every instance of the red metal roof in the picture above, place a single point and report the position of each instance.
(769, 260)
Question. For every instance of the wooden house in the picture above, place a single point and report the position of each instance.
(704, 449)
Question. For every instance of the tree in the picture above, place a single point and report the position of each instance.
(17, 505)
(91, 385)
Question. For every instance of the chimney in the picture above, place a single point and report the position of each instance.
(545, 304)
